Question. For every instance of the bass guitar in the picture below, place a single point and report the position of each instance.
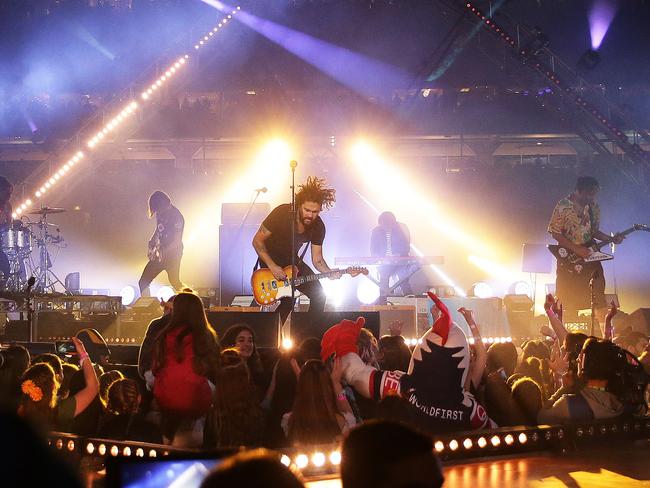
(575, 264)
(268, 290)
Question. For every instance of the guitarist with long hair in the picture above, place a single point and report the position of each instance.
(272, 242)
(166, 244)
(575, 225)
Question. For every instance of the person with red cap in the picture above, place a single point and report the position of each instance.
(434, 383)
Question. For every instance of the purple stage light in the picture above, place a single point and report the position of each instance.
(360, 73)
(601, 15)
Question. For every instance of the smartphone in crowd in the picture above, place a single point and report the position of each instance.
(65, 347)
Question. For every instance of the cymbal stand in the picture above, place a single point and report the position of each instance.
(46, 279)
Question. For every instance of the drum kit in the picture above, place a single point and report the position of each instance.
(19, 242)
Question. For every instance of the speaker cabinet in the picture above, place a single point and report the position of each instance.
(236, 260)
(265, 325)
(305, 324)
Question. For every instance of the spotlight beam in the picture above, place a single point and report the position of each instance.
(359, 73)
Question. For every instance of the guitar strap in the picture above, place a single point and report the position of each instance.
(300, 258)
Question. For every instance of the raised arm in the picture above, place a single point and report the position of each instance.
(85, 396)
(476, 374)
(553, 312)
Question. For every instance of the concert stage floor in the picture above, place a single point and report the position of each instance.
(619, 467)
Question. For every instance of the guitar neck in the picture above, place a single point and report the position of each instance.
(602, 244)
(315, 277)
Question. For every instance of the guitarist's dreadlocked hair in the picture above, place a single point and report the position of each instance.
(314, 190)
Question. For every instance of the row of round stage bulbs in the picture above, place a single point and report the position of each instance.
(116, 121)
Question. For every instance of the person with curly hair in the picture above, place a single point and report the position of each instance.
(272, 242)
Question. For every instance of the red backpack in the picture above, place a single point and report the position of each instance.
(178, 388)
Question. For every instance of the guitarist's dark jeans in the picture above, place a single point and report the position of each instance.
(314, 290)
(573, 289)
(153, 268)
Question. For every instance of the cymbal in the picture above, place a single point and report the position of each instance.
(47, 211)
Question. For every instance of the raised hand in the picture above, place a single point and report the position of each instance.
(467, 314)
(337, 371)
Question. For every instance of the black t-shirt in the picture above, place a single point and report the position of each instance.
(170, 224)
(278, 222)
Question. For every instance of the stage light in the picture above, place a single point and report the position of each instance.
(453, 445)
(302, 461)
(38, 193)
(439, 446)
(520, 288)
(153, 453)
(287, 344)
(335, 458)
(139, 452)
(334, 292)
(481, 442)
(467, 443)
(128, 294)
(101, 449)
(523, 438)
(589, 60)
(318, 459)
(90, 448)
(481, 290)
(495, 441)
(126, 451)
(367, 292)
(70, 445)
(509, 439)
(164, 293)
(286, 460)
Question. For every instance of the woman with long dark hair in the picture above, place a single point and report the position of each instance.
(320, 412)
(185, 365)
(237, 418)
(242, 338)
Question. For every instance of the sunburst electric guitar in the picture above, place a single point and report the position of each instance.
(575, 263)
(268, 290)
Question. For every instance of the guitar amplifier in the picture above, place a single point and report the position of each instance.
(234, 213)
(306, 324)
(490, 314)
(390, 313)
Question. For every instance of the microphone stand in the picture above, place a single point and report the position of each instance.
(293, 164)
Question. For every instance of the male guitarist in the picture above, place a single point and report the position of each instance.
(272, 242)
(166, 244)
(574, 225)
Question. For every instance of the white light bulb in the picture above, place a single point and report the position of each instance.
(38, 193)
(145, 96)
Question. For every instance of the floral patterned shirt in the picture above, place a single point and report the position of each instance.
(577, 225)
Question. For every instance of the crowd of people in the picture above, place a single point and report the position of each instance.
(194, 389)
(228, 113)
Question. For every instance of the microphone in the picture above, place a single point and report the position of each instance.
(293, 164)
(261, 190)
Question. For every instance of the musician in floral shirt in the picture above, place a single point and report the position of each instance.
(575, 224)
